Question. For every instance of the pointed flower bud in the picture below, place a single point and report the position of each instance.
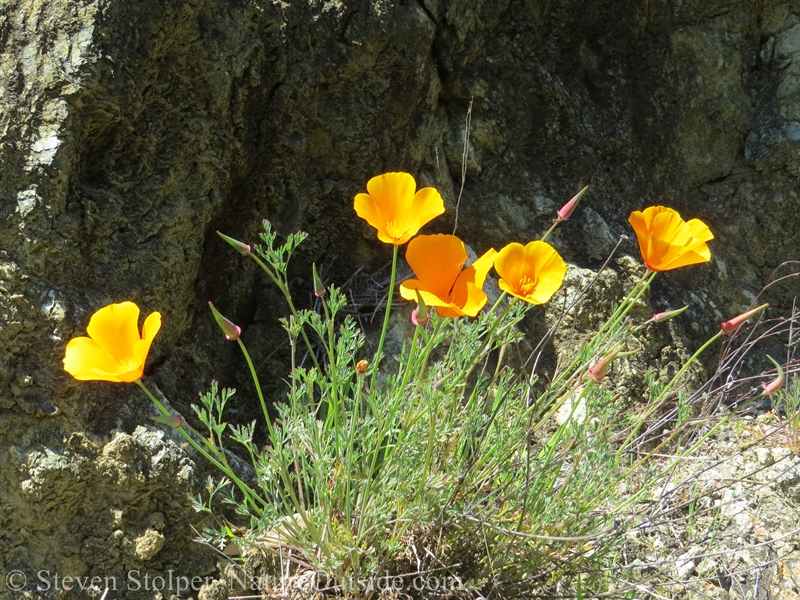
(567, 209)
(730, 326)
(419, 316)
(231, 331)
(599, 370)
(776, 384)
(670, 314)
(319, 289)
(241, 247)
(175, 420)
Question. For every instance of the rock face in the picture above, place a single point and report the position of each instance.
(131, 130)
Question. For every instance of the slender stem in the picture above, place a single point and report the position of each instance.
(285, 291)
(245, 489)
(411, 357)
(254, 375)
(330, 349)
(549, 231)
(627, 303)
(498, 301)
(385, 318)
(689, 362)
(489, 337)
(429, 347)
(655, 405)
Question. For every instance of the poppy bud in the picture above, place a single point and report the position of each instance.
(670, 314)
(242, 248)
(567, 209)
(598, 372)
(776, 384)
(730, 326)
(231, 331)
(175, 420)
(419, 316)
(361, 366)
(319, 289)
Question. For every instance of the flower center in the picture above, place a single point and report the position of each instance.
(398, 232)
(527, 285)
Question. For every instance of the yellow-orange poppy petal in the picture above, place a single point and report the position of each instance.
(115, 351)
(668, 242)
(475, 301)
(532, 273)
(152, 325)
(426, 205)
(510, 262)
(550, 270)
(686, 258)
(116, 328)
(700, 230)
(368, 209)
(395, 190)
(85, 360)
(394, 209)
(467, 292)
(482, 265)
(437, 261)
(409, 288)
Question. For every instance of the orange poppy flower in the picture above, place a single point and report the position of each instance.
(392, 207)
(443, 282)
(114, 350)
(667, 242)
(532, 273)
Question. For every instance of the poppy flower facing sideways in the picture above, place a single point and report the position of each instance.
(114, 350)
(667, 242)
(394, 209)
(532, 273)
(443, 282)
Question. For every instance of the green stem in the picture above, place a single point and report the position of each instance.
(658, 401)
(689, 362)
(285, 291)
(489, 336)
(549, 231)
(628, 302)
(429, 347)
(682, 455)
(245, 489)
(412, 351)
(254, 375)
(385, 318)
(330, 349)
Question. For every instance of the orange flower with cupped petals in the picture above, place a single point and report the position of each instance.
(442, 281)
(532, 273)
(114, 350)
(668, 242)
(394, 209)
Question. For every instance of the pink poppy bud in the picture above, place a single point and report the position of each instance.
(319, 289)
(420, 316)
(730, 326)
(567, 209)
(598, 372)
(670, 314)
(242, 248)
(175, 420)
(231, 331)
(776, 384)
